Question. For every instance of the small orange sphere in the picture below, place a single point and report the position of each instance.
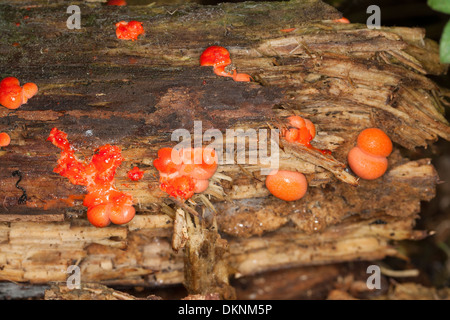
(129, 30)
(375, 142)
(215, 56)
(29, 90)
(201, 185)
(296, 121)
(291, 134)
(5, 139)
(9, 81)
(11, 96)
(287, 185)
(99, 215)
(365, 165)
(121, 214)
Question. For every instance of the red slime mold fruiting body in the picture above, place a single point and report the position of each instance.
(302, 131)
(365, 165)
(375, 142)
(186, 171)
(368, 159)
(116, 3)
(12, 95)
(29, 90)
(164, 163)
(287, 185)
(104, 202)
(215, 56)
(218, 58)
(5, 139)
(129, 30)
(135, 174)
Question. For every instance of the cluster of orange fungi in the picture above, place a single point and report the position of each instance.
(185, 172)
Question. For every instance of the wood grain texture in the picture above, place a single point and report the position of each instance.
(102, 90)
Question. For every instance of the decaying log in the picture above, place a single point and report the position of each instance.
(101, 90)
(295, 283)
(141, 253)
(205, 268)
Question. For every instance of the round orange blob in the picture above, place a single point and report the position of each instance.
(201, 185)
(287, 185)
(99, 215)
(11, 96)
(375, 142)
(10, 81)
(199, 163)
(29, 90)
(5, 139)
(129, 30)
(121, 214)
(215, 56)
(291, 134)
(164, 163)
(365, 165)
(342, 20)
(135, 174)
(196, 166)
(299, 123)
(296, 121)
(304, 136)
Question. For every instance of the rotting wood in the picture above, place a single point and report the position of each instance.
(100, 90)
(147, 258)
(206, 269)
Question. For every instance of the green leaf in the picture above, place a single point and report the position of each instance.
(440, 5)
(444, 46)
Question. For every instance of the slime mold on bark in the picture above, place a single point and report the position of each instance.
(287, 185)
(104, 201)
(12, 95)
(5, 139)
(368, 160)
(219, 58)
(186, 171)
(129, 30)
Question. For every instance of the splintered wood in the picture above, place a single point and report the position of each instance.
(343, 77)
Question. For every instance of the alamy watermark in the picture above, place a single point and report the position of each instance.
(374, 21)
(74, 279)
(374, 280)
(237, 146)
(74, 20)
